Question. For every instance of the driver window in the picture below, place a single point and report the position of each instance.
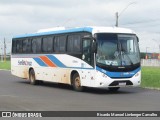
(87, 51)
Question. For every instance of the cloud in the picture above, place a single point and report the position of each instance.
(27, 16)
(46, 14)
(149, 40)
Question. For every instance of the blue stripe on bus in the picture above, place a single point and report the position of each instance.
(60, 64)
(119, 74)
(56, 61)
(86, 29)
(40, 62)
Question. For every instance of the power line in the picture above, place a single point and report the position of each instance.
(144, 26)
(141, 22)
(148, 23)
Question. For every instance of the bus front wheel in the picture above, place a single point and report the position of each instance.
(32, 77)
(77, 83)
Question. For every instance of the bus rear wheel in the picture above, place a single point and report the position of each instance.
(77, 83)
(32, 77)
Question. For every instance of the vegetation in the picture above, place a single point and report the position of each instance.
(5, 65)
(151, 77)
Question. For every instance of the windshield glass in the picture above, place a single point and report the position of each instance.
(117, 49)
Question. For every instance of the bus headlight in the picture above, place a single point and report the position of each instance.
(137, 74)
(104, 75)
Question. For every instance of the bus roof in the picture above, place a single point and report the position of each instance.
(92, 30)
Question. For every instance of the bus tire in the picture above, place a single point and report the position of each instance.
(77, 83)
(113, 89)
(32, 77)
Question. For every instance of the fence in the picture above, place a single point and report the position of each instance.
(150, 62)
(7, 58)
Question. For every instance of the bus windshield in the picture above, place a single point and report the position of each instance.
(117, 49)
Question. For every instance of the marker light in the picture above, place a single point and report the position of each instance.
(137, 74)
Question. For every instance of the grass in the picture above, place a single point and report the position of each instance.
(151, 77)
(5, 65)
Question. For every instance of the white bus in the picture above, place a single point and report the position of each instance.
(100, 57)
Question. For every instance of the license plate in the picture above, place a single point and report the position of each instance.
(122, 84)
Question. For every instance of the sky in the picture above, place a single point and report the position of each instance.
(28, 16)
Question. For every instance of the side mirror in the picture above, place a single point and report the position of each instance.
(137, 39)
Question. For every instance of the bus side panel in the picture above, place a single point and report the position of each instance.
(65, 77)
(50, 74)
(87, 77)
(17, 70)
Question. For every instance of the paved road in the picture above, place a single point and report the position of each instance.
(18, 94)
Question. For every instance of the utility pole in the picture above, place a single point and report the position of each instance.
(4, 50)
(1, 53)
(119, 14)
(117, 19)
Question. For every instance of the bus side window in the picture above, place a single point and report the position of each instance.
(50, 44)
(47, 44)
(14, 46)
(56, 44)
(28, 49)
(70, 44)
(74, 44)
(25, 42)
(19, 46)
(77, 43)
(36, 45)
(60, 44)
(33, 45)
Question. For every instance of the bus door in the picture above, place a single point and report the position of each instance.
(87, 53)
(88, 57)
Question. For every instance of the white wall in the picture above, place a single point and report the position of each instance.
(150, 62)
